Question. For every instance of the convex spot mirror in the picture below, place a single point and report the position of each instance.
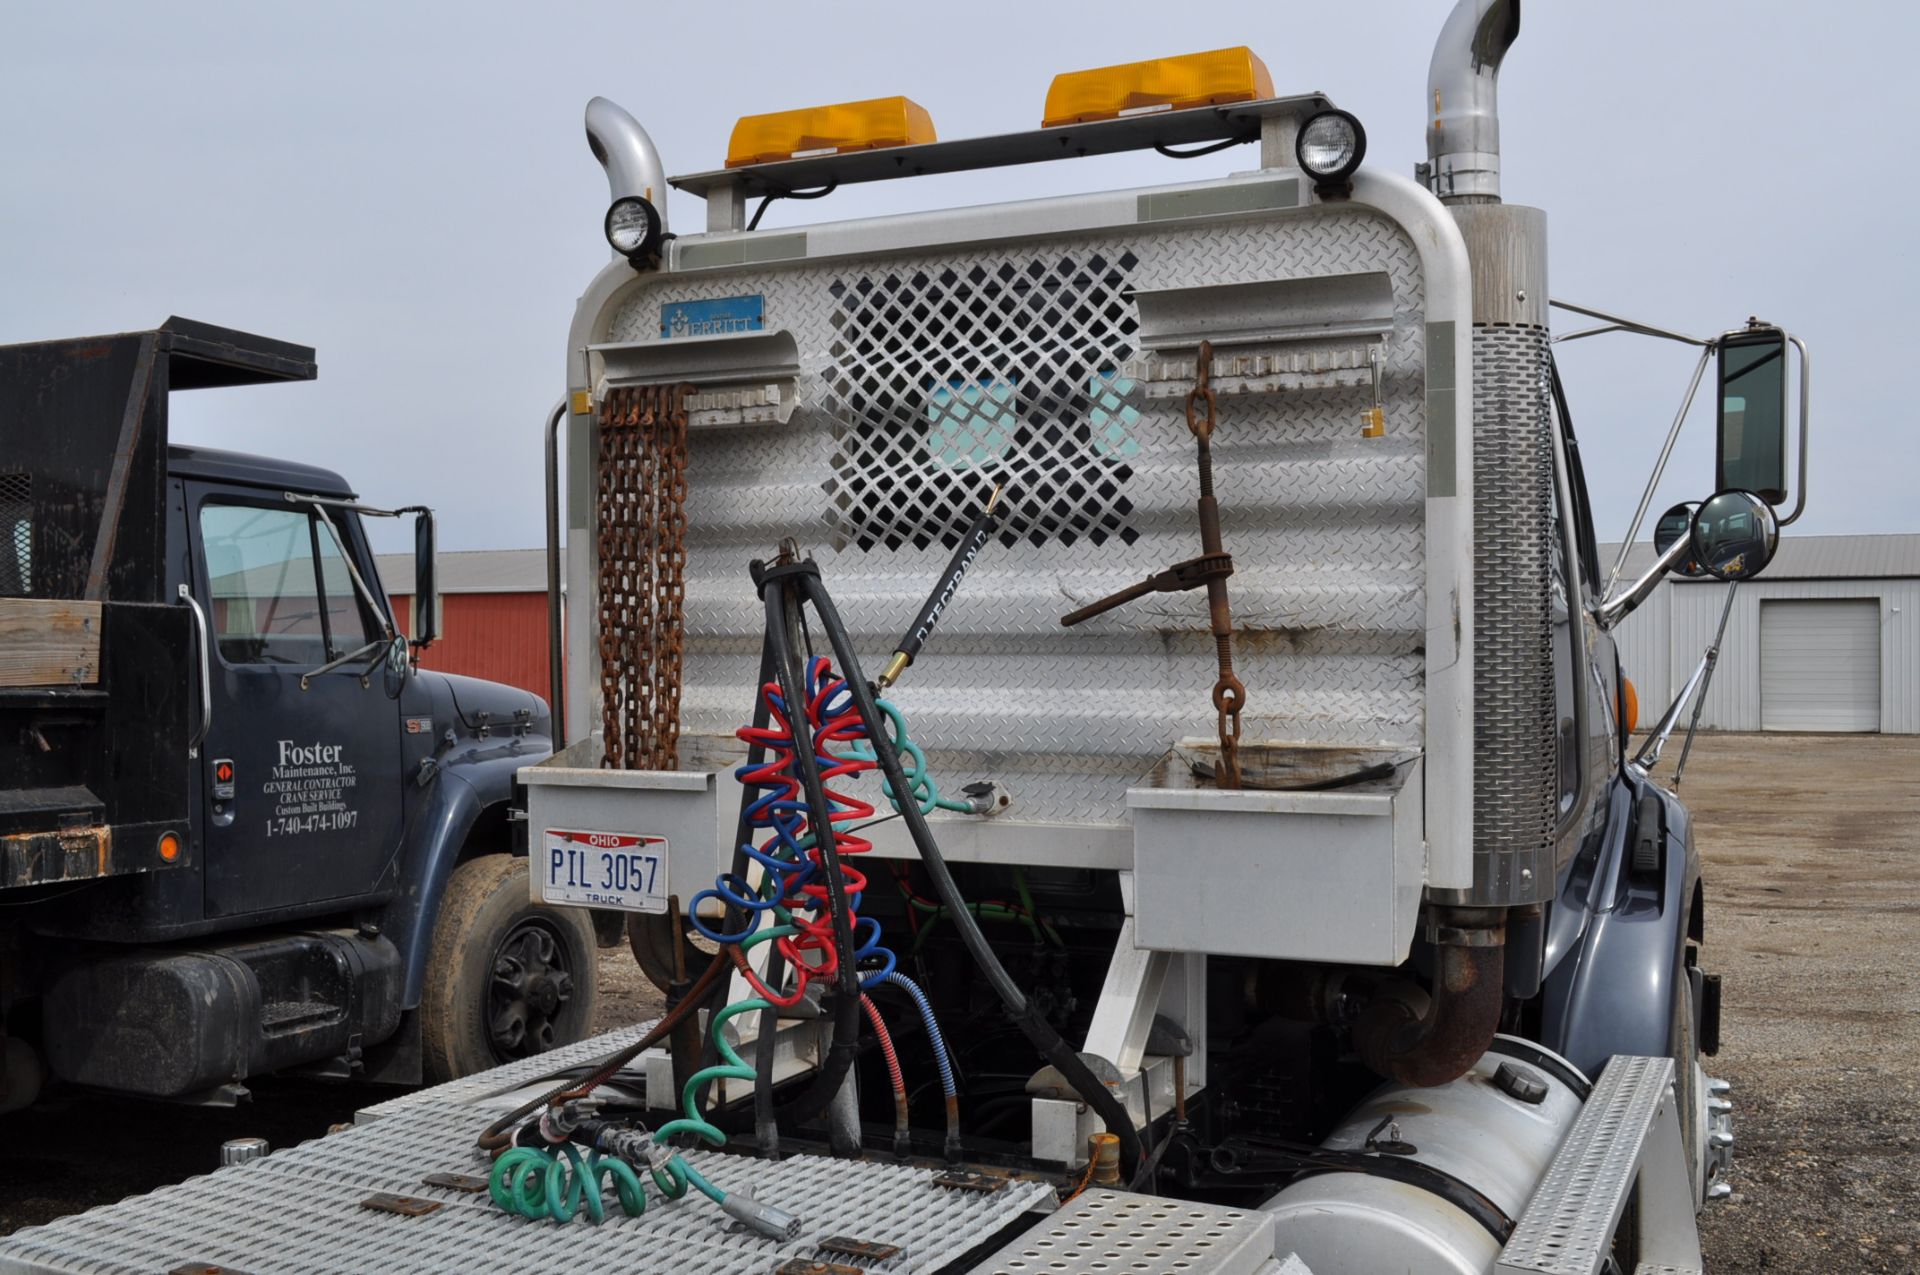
(1751, 453)
(398, 662)
(1734, 535)
(1675, 524)
(426, 593)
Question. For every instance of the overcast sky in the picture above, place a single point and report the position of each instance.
(407, 188)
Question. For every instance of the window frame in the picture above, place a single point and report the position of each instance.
(323, 597)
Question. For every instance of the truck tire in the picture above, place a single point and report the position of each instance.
(507, 978)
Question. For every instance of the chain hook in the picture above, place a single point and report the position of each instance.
(1201, 395)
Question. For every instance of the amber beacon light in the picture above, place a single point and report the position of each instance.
(1158, 84)
(828, 130)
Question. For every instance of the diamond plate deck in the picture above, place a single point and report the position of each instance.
(926, 376)
(1110, 1233)
(510, 1076)
(1570, 1221)
(297, 1212)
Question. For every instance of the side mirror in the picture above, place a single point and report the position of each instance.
(1751, 454)
(1734, 535)
(1673, 524)
(426, 593)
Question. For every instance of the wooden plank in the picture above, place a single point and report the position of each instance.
(49, 642)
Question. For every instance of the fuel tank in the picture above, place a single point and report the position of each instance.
(1493, 1132)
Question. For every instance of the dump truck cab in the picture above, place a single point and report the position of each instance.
(234, 803)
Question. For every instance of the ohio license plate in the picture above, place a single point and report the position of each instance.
(603, 870)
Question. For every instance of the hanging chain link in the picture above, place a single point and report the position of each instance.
(1229, 695)
(641, 512)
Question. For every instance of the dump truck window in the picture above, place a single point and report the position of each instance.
(280, 593)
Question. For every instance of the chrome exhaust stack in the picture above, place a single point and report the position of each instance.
(1520, 833)
(629, 156)
(1463, 135)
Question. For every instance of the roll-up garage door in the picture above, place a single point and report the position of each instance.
(1820, 664)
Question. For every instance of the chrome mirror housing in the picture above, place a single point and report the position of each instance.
(1677, 524)
(1734, 535)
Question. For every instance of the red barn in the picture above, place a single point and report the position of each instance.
(493, 613)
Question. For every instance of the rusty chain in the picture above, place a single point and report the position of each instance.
(641, 513)
(1229, 695)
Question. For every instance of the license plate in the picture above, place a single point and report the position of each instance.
(604, 870)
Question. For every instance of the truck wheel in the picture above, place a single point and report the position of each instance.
(507, 978)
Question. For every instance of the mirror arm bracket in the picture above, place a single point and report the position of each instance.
(1660, 466)
(1618, 606)
(306, 679)
(1616, 323)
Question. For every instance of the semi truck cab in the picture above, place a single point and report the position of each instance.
(243, 831)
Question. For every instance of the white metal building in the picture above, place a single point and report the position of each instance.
(1828, 639)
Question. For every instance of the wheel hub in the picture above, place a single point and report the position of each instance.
(531, 987)
(1719, 1139)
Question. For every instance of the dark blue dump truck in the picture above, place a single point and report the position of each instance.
(240, 830)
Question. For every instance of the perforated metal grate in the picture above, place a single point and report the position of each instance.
(1106, 1231)
(1516, 761)
(1569, 1222)
(944, 380)
(298, 1212)
(16, 534)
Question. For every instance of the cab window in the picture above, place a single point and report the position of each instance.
(279, 588)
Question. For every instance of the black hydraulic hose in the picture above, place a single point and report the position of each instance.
(1049, 1042)
(942, 593)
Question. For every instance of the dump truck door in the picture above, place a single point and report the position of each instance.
(303, 782)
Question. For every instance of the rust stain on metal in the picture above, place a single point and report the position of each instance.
(865, 1251)
(968, 1180)
(66, 854)
(404, 1205)
(470, 1183)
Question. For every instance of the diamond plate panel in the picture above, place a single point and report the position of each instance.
(923, 377)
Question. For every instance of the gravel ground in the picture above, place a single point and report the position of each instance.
(1812, 848)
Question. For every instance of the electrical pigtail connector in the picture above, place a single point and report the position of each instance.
(774, 1223)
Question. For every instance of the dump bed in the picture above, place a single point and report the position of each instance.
(97, 660)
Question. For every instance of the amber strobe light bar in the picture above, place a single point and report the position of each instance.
(1158, 84)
